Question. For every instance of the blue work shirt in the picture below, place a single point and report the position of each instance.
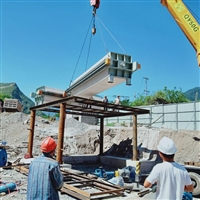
(44, 179)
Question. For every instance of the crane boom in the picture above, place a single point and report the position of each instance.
(186, 22)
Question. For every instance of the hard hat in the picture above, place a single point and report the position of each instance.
(48, 145)
(167, 146)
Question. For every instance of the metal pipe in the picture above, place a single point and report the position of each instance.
(61, 132)
(31, 133)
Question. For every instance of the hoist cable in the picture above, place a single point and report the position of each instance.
(93, 26)
(93, 16)
(81, 51)
(88, 51)
(111, 35)
(102, 36)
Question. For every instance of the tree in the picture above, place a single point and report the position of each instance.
(175, 96)
(3, 96)
(164, 96)
(138, 102)
(126, 102)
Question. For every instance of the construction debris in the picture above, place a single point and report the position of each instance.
(79, 139)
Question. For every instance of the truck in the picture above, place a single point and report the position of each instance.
(193, 169)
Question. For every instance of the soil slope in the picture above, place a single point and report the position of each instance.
(82, 138)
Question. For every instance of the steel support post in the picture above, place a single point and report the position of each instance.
(135, 152)
(31, 133)
(61, 129)
(101, 136)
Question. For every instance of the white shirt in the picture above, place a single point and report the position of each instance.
(117, 101)
(171, 179)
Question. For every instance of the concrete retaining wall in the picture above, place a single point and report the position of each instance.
(145, 166)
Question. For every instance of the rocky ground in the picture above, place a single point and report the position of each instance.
(83, 139)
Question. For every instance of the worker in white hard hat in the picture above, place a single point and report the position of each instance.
(172, 179)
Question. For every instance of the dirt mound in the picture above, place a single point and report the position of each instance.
(82, 138)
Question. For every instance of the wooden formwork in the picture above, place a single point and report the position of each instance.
(85, 188)
(82, 187)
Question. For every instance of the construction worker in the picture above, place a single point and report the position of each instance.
(105, 100)
(172, 179)
(117, 102)
(45, 178)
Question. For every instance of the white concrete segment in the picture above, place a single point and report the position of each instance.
(111, 70)
(46, 94)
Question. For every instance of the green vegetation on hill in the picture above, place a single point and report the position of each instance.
(165, 96)
(11, 90)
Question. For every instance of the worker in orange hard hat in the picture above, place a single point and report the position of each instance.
(48, 145)
(45, 170)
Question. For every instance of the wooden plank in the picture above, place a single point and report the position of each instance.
(74, 194)
(106, 186)
(83, 182)
(74, 178)
(22, 169)
(72, 188)
(119, 192)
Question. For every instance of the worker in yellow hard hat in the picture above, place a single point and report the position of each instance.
(45, 178)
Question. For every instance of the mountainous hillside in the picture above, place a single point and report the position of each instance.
(11, 90)
(193, 94)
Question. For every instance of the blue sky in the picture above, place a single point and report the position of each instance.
(41, 42)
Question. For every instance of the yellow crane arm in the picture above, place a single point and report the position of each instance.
(186, 22)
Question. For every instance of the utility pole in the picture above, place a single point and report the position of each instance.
(196, 96)
(146, 91)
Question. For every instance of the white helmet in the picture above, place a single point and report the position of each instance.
(167, 146)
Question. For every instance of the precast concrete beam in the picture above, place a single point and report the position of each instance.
(113, 69)
(46, 94)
